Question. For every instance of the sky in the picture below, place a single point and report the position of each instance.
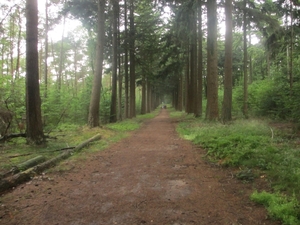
(56, 34)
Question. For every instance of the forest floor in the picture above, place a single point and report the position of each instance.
(151, 177)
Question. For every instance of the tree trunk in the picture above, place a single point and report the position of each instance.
(46, 50)
(291, 47)
(193, 63)
(61, 58)
(127, 109)
(227, 100)
(188, 106)
(245, 108)
(113, 103)
(180, 93)
(200, 63)
(132, 61)
(93, 119)
(149, 99)
(34, 128)
(250, 63)
(143, 103)
(212, 110)
(17, 75)
(120, 78)
(46, 63)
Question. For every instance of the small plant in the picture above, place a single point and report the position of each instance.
(279, 207)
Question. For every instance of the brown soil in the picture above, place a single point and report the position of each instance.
(151, 177)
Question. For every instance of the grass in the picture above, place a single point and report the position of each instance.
(254, 148)
(279, 207)
(17, 151)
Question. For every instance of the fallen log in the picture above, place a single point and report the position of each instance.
(41, 167)
(83, 144)
(20, 155)
(30, 153)
(30, 163)
(24, 166)
(10, 136)
(26, 175)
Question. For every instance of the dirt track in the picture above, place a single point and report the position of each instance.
(151, 177)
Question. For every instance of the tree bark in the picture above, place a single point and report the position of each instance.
(291, 76)
(143, 103)
(180, 93)
(132, 61)
(34, 127)
(61, 58)
(149, 98)
(193, 63)
(227, 100)
(120, 73)
(200, 63)
(94, 109)
(245, 107)
(212, 110)
(46, 50)
(127, 109)
(113, 103)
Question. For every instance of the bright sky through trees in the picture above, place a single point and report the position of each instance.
(56, 33)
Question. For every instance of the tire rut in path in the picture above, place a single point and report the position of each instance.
(151, 177)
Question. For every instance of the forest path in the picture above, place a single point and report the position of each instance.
(151, 177)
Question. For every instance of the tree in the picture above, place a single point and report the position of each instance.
(113, 103)
(132, 61)
(200, 63)
(93, 119)
(227, 101)
(212, 110)
(245, 108)
(34, 129)
(126, 74)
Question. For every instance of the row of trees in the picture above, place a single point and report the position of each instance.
(224, 62)
(158, 49)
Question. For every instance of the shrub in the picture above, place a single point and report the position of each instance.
(279, 207)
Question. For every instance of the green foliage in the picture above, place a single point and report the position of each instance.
(131, 124)
(126, 125)
(235, 143)
(250, 144)
(271, 98)
(255, 148)
(279, 206)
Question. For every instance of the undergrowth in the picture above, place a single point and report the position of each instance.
(279, 206)
(251, 145)
(68, 135)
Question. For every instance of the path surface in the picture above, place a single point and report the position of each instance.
(151, 177)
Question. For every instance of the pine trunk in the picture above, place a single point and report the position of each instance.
(245, 108)
(93, 119)
(212, 110)
(227, 100)
(132, 61)
(149, 99)
(34, 128)
(200, 63)
(113, 103)
(126, 61)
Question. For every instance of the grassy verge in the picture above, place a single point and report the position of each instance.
(258, 150)
(16, 151)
